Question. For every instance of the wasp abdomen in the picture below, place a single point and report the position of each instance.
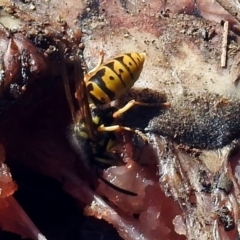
(115, 77)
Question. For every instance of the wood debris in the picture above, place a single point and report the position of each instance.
(224, 44)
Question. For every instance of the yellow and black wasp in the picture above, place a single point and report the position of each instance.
(110, 80)
(93, 128)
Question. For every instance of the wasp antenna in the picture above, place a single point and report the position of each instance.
(82, 98)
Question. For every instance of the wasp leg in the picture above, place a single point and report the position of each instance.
(117, 128)
(88, 75)
(132, 103)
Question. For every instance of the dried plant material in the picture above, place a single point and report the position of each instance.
(235, 69)
(224, 44)
(233, 48)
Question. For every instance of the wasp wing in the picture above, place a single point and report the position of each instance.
(84, 114)
(66, 81)
(82, 97)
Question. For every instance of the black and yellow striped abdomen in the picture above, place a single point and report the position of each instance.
(115, 77)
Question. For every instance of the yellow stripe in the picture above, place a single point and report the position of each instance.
(98, 92)
(112, 80)
(139, 58)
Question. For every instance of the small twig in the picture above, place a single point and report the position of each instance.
(224, 44)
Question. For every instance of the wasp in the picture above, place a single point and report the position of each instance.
(93, 127)
(110, 80)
